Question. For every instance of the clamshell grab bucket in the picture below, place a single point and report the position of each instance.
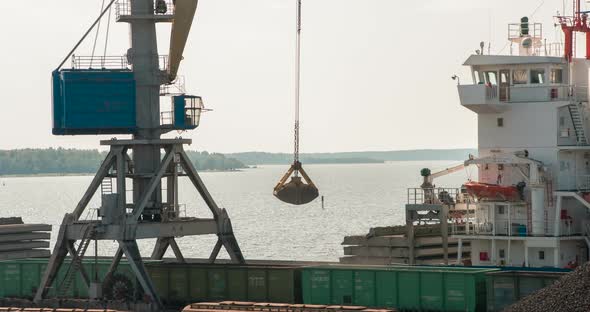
(296, 191)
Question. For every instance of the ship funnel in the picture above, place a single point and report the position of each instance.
(184, 14)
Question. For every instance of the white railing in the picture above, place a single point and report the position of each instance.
(554, 49)
(516, 227)
(569, 182)
(544, 93)
(535, 30)
(494, 94)
(570, 227)
(435, 196)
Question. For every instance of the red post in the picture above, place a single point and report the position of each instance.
(569, 42)
(588, 45)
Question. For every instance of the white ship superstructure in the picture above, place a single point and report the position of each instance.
(531, 204)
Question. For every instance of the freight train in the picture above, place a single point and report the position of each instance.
(406, 288)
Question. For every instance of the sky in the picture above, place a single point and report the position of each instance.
(376, 74)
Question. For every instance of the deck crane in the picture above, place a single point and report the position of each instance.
(429, 176)
(296, 191)
(121, 95)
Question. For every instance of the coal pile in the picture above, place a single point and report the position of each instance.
(571, 293)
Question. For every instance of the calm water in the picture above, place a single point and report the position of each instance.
(357, 197)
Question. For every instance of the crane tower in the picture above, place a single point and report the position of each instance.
(121, 95)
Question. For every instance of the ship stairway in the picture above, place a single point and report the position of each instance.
(549, 193)
(76, 263)
(578, 120)
(106, 186)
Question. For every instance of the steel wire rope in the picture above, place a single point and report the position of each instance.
(467, 173)
(97, 34)
(83, 37)
(106, 40)
(297, 85)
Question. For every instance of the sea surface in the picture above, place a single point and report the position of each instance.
(357, 197)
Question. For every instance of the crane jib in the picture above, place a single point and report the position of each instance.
(184, 13)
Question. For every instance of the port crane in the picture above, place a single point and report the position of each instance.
(138, 179)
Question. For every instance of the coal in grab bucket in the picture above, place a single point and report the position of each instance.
(299, 191)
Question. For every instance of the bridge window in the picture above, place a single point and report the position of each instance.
(476, 78)
(491, 77)
(556, 75)
(520, 76)
(500, 122)
(537, 76)
(504, 76)
(541, 255)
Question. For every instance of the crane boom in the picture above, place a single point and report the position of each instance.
(447, 171)
(184, 13)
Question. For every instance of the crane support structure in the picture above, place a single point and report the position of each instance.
(130, 179)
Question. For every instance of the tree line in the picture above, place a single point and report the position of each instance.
(77, 161)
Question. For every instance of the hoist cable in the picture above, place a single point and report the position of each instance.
(84, 36)
(537, 8)
(297, 83)
(96, 36)
(106, 40)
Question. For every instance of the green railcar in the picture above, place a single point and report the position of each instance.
(417, 288)
(21, 278)
(177, 284)
(186, 283)
(507, 287)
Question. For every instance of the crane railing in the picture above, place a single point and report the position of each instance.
(110, 62)
(100, 62)
(177, 87)
(123, 8)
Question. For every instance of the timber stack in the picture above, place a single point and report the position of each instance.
(19, 240)
(390, 245)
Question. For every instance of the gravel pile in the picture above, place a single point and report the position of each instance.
(570, 293)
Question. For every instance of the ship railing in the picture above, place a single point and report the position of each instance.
(513, 227)
(554, 49)
(578, 183)
(491, 92)
(570, 227)
(535, 30)
(535, 93)
(439, 195)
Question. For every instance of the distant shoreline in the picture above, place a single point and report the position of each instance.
(82, 174)
(48, 162)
